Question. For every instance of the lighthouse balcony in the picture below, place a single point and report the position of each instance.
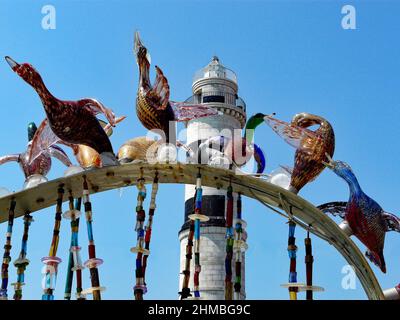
(226, 103)
(218, 97)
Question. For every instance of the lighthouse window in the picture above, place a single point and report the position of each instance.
(207, 99)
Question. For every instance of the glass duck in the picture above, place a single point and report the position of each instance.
(153, 107)
(35, 171)
(71, 121)
(367, 220)
(311, 146)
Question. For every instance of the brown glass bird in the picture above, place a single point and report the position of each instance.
(153, 107)
(311, 146)
(71, 121)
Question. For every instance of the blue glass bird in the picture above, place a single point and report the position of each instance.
(366, 218)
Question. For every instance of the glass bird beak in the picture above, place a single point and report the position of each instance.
(330, 164)
(12, 63)
(269, 116)
(137, 45)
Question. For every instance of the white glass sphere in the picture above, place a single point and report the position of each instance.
(219, 161)
(167, 153)
(280, 177)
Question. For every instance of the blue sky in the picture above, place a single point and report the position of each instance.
(289, 57)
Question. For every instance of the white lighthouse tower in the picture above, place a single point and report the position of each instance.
(215, 86)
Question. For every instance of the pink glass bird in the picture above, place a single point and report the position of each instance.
(71, 121)
(41, 165)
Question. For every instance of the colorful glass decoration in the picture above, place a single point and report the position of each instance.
(140, 288)
(22, 262)
(93, 262)
(71, 121)
(74, 259)
(185, 292)
(7, 250)
(52, 261)
(153, 107)
(197, 217)
(239, 247)
(311, 146)
(149, 226)
(221, 150)
(292, 249)
(35, 170)
(365, 217)
(309, 260)
(229, 244)
(240, 150)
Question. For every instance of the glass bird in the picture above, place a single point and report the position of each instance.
(153, 107)
(366, 218)
(71, 121)
(311, 146)
(41, 165)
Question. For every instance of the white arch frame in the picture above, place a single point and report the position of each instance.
(108, 178)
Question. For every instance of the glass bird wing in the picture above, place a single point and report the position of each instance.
(158, 95)
(95, 107)
(58, 153)
(107, 127)
(299, 138)
(337, 208)
(8, 158)
(185, 112)
(392, 221)
(43, 139)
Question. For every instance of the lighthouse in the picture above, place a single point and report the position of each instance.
(214, 86)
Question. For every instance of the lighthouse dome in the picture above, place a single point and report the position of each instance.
(215, 70)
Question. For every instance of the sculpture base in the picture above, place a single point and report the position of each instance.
(34, 180)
